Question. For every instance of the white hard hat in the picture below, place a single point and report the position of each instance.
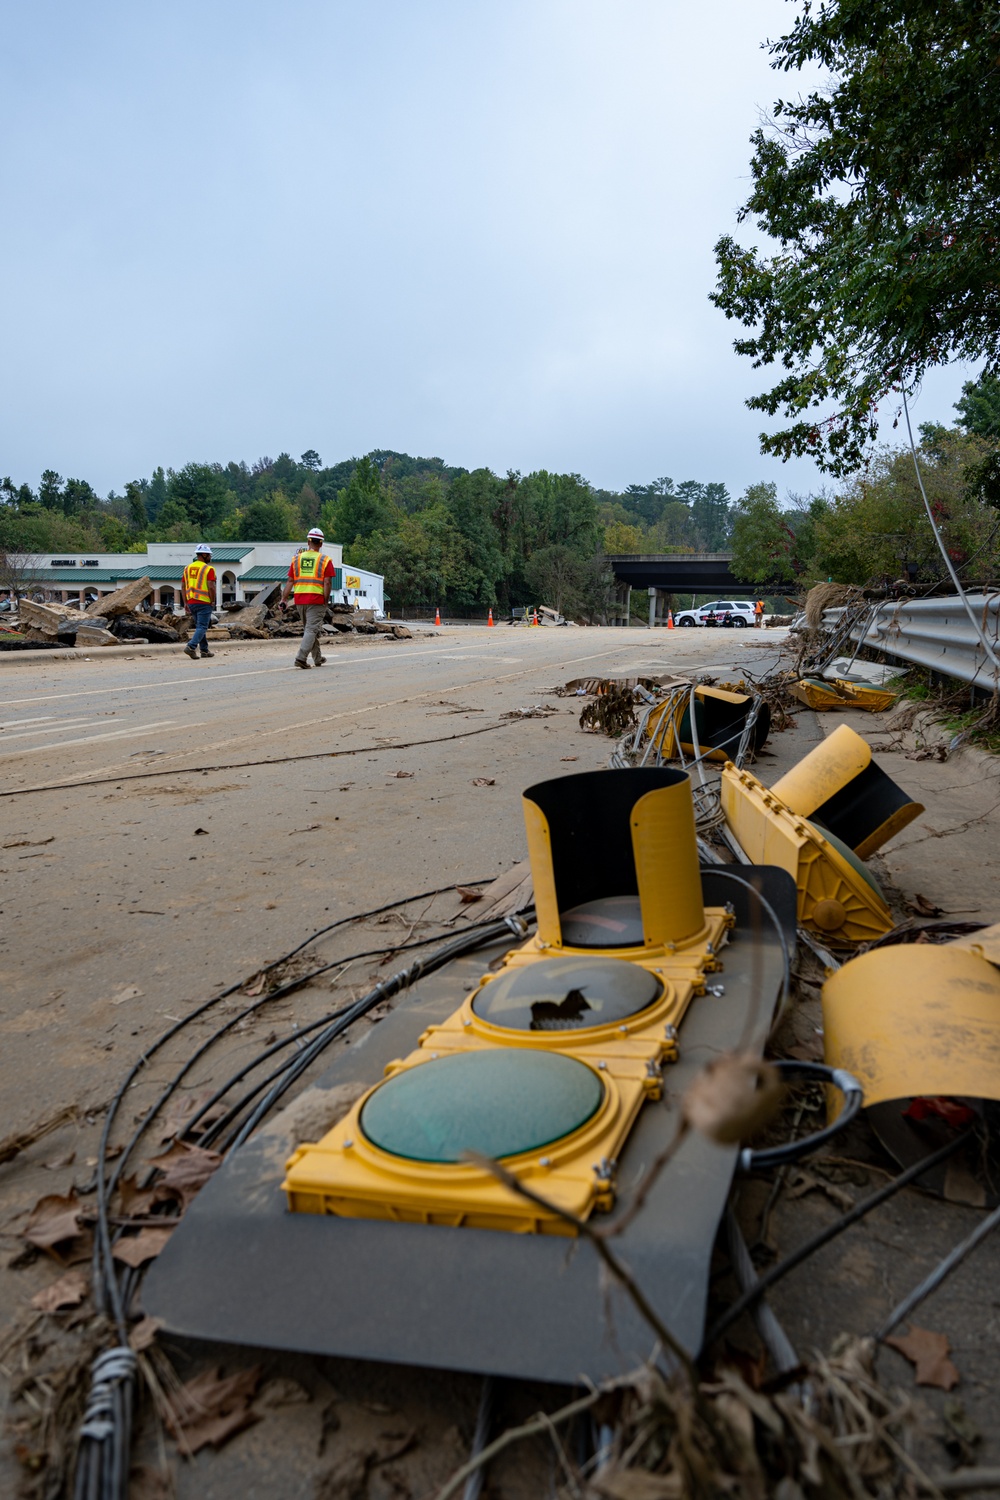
(203, 549)
(316, 533)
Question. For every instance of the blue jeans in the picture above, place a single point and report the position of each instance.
(202, 616)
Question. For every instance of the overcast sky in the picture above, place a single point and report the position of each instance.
(477, 229)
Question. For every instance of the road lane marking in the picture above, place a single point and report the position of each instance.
(135, 687)
(27, 734)
(103, 772)
(90, 739)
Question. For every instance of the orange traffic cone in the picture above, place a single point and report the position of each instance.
(490, 620)
(437, 615)
(534, 618)
(670, 619)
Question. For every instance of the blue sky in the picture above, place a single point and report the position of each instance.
(478, 229)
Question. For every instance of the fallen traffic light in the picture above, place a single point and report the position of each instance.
(720, 718)
(840, 787)
(838, 899)
(547, 1064)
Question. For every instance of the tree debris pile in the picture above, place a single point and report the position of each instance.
(826, 1430)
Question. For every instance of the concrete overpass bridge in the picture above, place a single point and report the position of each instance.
(662, 573)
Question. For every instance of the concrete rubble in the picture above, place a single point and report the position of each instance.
(125, 617)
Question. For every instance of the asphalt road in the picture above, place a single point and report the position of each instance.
(128, 896)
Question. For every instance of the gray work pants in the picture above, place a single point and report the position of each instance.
(312, 619)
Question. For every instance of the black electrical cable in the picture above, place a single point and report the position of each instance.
(464, 943)
(817, 1241)
(105, 1194)
(102, 1464)
(838, 1078)
(786, 979)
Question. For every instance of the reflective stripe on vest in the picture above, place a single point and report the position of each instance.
(196, 589)
(307, 573)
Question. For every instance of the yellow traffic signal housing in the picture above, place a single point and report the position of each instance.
(818, 694)
(865, 695)
(840, 787)
(547, 1063)
(909, 1021)
(720, 718)
(838, 899)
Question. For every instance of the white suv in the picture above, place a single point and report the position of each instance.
(738, 612)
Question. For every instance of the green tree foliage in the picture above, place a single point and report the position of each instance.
(710, 515)
(361, 509)
(881, 190)
(156, 494)
(979, 407)
(877, 526)
(200, 491)
(467, 540)
(620, 537)
(763, 542)
(271, 520)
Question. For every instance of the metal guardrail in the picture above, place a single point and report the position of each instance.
(933, 633)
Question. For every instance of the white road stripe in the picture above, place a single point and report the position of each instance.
(26, 734)
(159, 686)
(43, 719)
(90, 739)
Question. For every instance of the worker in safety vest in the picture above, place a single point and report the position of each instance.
(758, 613)
(310, 579)
(198, 596)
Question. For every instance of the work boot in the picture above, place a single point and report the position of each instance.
(205, 654)
(319, 661)
(190, 651)
(303, 664)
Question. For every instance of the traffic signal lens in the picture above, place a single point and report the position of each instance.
(614, 922)
(567, 994)
(500, 1102)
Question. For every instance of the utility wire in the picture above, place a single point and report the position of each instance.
(977, 627)
(938, 1275)
(777, 1272)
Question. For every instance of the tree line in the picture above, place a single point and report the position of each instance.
(875, 530)
(468, 540)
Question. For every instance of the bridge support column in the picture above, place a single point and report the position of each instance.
(652, 608)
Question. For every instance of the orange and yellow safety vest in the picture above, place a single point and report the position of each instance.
(308, 571)
(196, 583)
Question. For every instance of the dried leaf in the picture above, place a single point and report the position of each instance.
(484, 781)
(183, 1110)
(200, 830)
(134, 1200)
(569, 757)
(68, 1291)
(468, 895)
(60, 1162)
(136, 1250)
(130, 992)
(732, 1097)
(402, 774)
(212, 1408)
(53, 1221)
(144, 1333)
(185, 1170)
(922, 906)
(928, 1352)
(29, 843)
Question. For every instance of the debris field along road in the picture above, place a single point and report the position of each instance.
(181, 883)
(127, 902)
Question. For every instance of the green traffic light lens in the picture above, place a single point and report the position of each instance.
(500, 1103)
